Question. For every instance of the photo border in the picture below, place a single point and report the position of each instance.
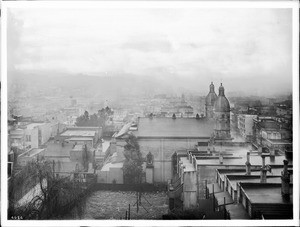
(149, 4)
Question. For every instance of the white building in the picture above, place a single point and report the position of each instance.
(245, 125)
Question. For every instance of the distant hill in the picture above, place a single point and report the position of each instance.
(114, 84)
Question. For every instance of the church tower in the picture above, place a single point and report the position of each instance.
(222, 116)
(210, 101)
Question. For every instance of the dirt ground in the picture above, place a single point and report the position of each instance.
(113, 205)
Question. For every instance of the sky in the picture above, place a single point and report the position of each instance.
(215, 44)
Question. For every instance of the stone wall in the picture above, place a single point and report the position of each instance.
(162, 150)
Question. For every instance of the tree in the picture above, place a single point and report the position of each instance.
(86, 115)
(96, 119)
(132, 168)
(53, 197)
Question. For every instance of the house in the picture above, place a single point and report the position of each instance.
(81, 135)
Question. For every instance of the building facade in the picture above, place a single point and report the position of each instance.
(210, 101)
(222, 116)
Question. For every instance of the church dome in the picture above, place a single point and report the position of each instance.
(222, 103)
(212, 96)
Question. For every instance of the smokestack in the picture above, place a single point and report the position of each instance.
(248, 164)
(285, 181)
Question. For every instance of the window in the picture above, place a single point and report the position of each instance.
(28, 138)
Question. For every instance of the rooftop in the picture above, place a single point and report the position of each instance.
(265, 193)
(251, 179)
(79, 138)
(180, 127)
(109, 165)
(77, 133)
(56, 149)
(32, 152)
(239, 157)
(33, 125)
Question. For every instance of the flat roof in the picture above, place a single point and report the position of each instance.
(189, 167)
(31, 152)
(16, 136)
(77, 133)
(251, 179)
(33, 125)
(265, 193)
(179, 127)
(80, 138)
(239, 157)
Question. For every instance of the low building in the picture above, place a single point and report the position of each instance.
(31, 155)
(265, 201)
(163, 136)
(30, 135)
(196, 169)
(270, 133)
(89, 135)
(112, 170)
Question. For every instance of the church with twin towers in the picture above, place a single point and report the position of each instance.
(217, 108)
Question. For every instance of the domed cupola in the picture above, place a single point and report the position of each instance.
(212, 96)
(222, 103)
(222, 116)
(210, 101)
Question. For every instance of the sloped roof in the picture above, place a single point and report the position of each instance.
(180, 127)
(123, 130)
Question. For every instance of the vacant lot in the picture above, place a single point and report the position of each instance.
(113, 205)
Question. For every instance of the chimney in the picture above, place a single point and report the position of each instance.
(259, 150)
(263, 170)
(221, 157)
(285, 181)
(272, 152)
(248, 164)
(263, 173)
(208, 150)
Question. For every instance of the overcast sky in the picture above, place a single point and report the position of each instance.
(217, 44)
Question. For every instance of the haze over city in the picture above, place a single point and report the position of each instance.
(249, 50)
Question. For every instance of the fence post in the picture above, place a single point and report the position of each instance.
(213, 195)
(137, 202)
(129, 212)
(224, 209)
(206, 189)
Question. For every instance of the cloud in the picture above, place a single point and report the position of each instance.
(225, 43)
